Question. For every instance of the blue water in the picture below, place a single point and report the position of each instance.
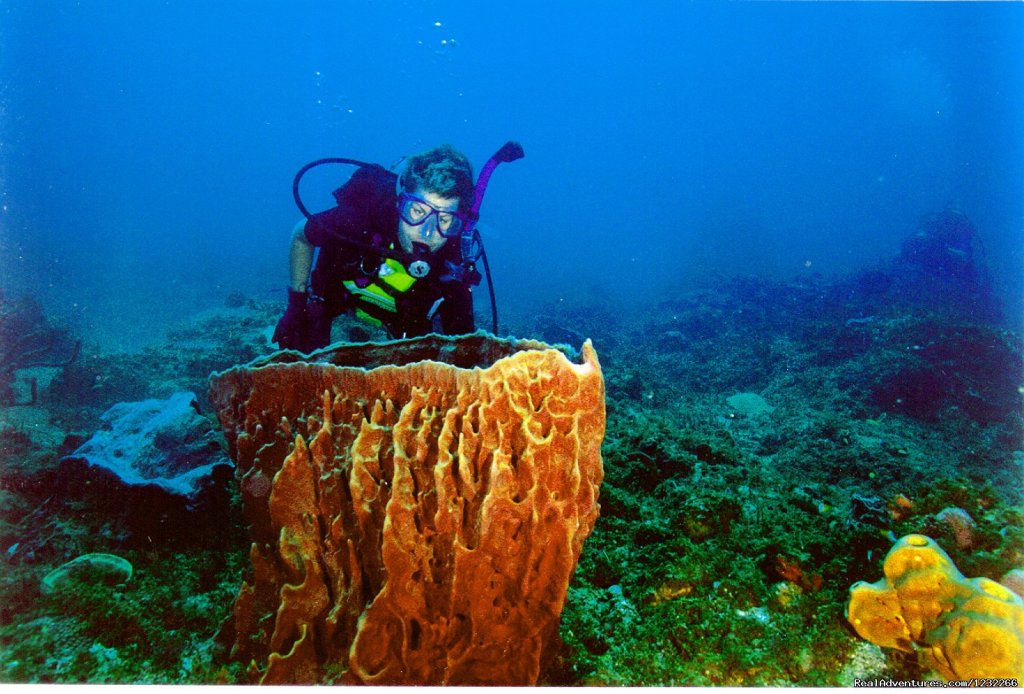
(148, 147)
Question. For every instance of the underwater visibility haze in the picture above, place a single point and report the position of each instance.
(793, 231)
(149, 147)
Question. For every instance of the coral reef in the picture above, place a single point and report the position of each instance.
(158, 627)
(424, 519)
(962, 628)
(726, 543)
(734, 538)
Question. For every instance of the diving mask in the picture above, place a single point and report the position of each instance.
(417, 212)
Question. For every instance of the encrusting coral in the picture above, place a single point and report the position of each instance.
(424, 519)
(961, 628)
(95, 565)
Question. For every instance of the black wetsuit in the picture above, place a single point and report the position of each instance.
(356, 236)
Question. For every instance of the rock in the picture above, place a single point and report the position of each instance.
(960, 524)
(750, 405)
(153, 460)
(165, 443)
(34, 423)
(236, 300)
(1014, 580)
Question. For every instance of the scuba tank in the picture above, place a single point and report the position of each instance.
(471, 245)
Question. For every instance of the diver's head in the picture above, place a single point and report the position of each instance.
(427, 219)
(435, 186)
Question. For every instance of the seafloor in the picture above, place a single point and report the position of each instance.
(766, 444)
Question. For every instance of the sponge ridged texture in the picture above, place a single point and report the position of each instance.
(413, 524)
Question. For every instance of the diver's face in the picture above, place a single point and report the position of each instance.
(433, 214)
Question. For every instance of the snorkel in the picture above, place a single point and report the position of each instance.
(510, 151)
(470, 237)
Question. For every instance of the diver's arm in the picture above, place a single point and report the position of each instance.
(300, 258)
(292, 331)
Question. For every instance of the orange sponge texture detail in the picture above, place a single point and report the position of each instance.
(413, 524)
(961, 628)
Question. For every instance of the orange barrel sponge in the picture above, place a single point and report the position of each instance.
(417, 508)
(961, 628)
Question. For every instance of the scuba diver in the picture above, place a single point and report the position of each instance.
(400, 252)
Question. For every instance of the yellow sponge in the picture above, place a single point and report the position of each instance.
(961, 628)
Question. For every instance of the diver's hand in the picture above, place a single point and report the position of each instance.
(291, 329)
